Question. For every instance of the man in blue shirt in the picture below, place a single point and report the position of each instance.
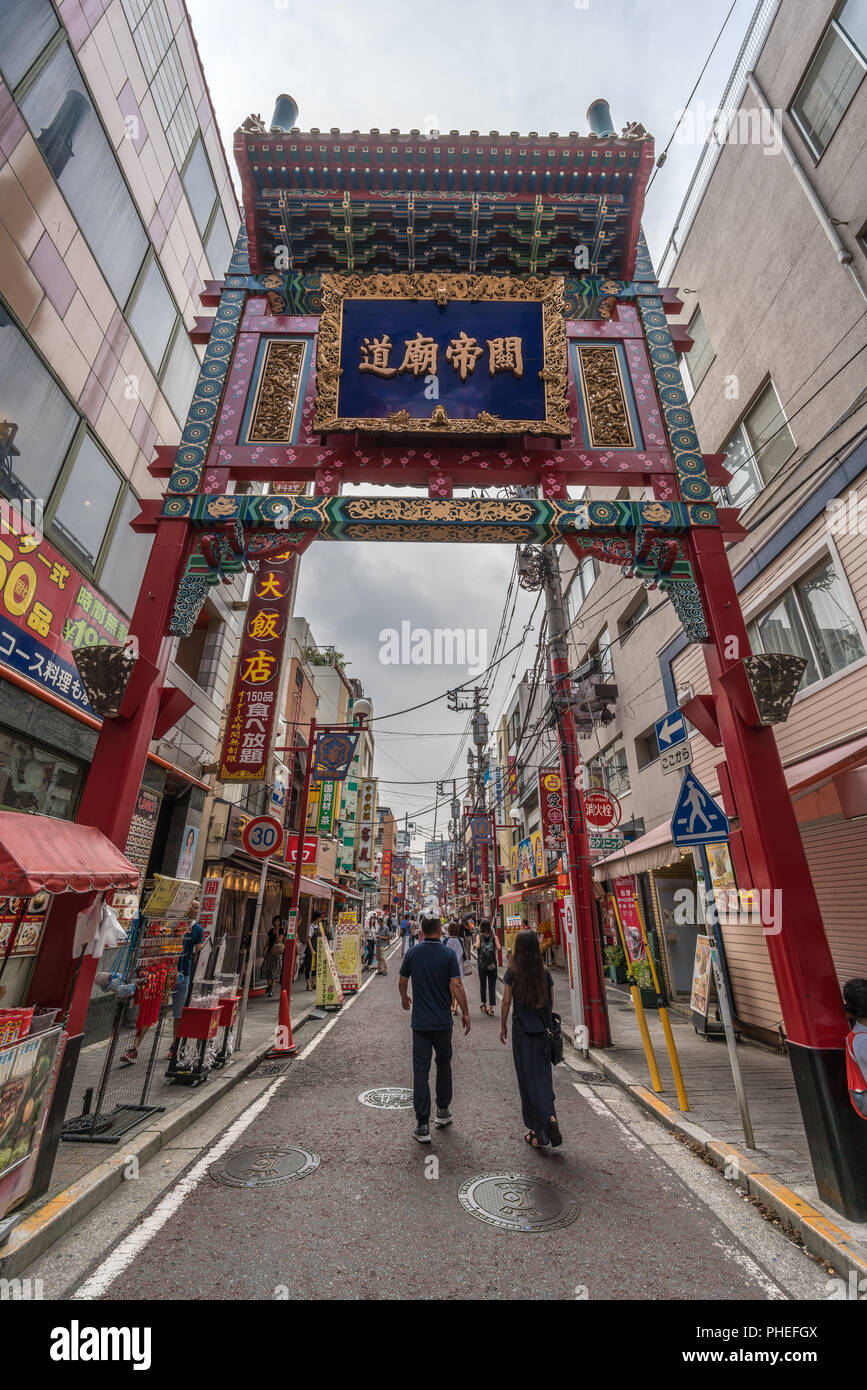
(436, 980)
(405, 930)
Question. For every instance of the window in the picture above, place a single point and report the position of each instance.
(700, 355)
(609, 769)
(833, 76)
(586, 574)
(816, 618)
(86, 503)
(35, 779)
(199, 184)
(68, 132)
(37, 422)
(180, 375)
(152, 35)
(25, 28)
(121, 574)
(646, 748)
(153, 316)
(757, 450)
(631, 621)
(219, 247)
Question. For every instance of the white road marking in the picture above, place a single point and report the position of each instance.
(141, 1235)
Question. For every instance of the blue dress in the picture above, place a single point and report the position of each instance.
(532, 1056)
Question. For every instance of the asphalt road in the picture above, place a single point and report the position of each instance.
(378, 1219)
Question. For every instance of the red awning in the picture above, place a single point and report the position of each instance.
(40, 852)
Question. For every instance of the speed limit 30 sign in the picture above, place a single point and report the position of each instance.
(263, 835)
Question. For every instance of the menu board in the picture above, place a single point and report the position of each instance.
(25, 1075)
(139, 843)
(32, 924)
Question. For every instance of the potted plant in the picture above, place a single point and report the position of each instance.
(642, 976)
(616, 962)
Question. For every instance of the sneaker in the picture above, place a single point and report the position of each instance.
(444, 1117)
(422, 1132)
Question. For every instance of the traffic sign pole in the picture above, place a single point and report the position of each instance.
(254, 938)
(289, 955)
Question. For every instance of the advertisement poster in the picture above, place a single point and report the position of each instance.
(347, 952)
(701, 977)
(46, 610)
(170, 898)
(25, 1073)
(188, 852)
(366, 824)
(530, 858)
(252, 709)
(630, 918)
(329, 995)
(513, 926)
(139, 843)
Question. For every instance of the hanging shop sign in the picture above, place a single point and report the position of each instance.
(552, 813)
(252, 709)
(366, 824)
(328, 803)
(209, 904)
(602, 845)
(334, 754)
(46, 611)
(451, 354)
(601, 809)
(314, 799)
(626, 897)
(309, 852)
(528, 857)
(385, 871)
(480, 826)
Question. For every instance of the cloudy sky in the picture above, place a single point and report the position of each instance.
(489, 65)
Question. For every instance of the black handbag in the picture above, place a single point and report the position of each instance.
(555, 1038)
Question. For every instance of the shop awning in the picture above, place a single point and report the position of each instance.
(310, 887)
(342, 892)
(41, 852)
(809, 772)
(536, 885)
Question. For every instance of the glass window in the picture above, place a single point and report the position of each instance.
(152, 31)
(606, 655)
(37, 422)
(833, 76)
(781, 629)
(36, 779)
(199, 184)
(25, 28)
(121, 574)
(218, 247)
(634, 617)
(87, 501)
(74, 146)
(745, 481)
(181, 128)
(768, 433)
(153, 316)
(831, 619)
(701, 354)
(609, 770)
(180, 375)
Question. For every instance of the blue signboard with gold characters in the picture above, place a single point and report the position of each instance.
(445, 354)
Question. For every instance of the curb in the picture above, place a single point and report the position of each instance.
(820, 1235)
(37, 1232)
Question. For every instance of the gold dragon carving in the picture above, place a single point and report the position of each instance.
(277, 396)
(608, 417)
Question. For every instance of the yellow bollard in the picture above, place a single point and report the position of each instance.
(665, 1021)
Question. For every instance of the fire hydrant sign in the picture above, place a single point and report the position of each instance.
(601, 810)
(253, 707)
(263, 835)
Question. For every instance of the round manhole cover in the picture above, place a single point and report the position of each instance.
(256, 1167)
(517, 1202)
(387, 1098)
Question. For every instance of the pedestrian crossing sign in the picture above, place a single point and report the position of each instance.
(697, 820)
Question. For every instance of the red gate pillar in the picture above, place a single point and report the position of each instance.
(114, 778)
(804, 973)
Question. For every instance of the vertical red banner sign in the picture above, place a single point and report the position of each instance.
(552, 813)
(253, 707)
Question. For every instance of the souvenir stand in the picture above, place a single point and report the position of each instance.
(39, 854)
(143, 984)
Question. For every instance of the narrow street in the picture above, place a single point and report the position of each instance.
(377, 1218)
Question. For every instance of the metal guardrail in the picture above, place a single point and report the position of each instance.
(760, 25)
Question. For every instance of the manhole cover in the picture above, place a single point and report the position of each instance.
(517, 1202)
(593, 1078)
(387, 1098)
(255, 1167)
(273, 1068)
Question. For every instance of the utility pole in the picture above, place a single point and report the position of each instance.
(539, 569)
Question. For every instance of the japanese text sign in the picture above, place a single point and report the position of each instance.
(253, 707)
(552, 811)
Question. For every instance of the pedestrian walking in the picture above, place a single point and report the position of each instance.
(436, 982)
(486, 963)
(382, 939)
(405, 935)
(530, 986)
(369, 937)
(274, 949)
(453, 943)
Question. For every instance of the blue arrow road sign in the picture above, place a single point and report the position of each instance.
(697, 820)
(671, 730)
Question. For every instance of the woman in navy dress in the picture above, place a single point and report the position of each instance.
(531, 988)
